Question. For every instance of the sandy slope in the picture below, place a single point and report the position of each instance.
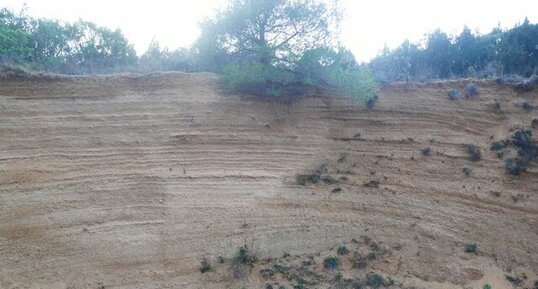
(127, 182)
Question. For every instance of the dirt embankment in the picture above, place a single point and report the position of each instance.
(128, 182)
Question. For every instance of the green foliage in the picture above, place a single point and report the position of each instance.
(426, 151)
(527, 105)
(470, 248)
(281, 49)
(486, 286)
(269, 31)
(157, 59)
(516, 281)
(468, 54)
(375, 280)
(467, 170)
(303, 179)
(257, 79)
(72, 48)
(474, 152)
(454, 94)
(279, 267)
(205, 266)
(331, 263)
(337, 71)
(244, 256)
(342, 250)
(515, 166)
(472, 90)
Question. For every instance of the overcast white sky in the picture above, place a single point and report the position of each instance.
(367, 26)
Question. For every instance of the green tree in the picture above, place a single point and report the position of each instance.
(439, 54)
(270, 31)
(15, 42)
(98, 49)
(280, 48)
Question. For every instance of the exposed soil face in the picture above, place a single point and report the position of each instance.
(128, 182)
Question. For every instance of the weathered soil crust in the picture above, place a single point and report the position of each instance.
(129, 181)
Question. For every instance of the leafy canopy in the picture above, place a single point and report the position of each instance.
(280, 48)
(272, 31)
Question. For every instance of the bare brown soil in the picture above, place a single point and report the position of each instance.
(128, 182)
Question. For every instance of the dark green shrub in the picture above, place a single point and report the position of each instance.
(241, 262)
(245, 256)
(472, 90)
(526, 148)
(498, 104)
(279, 267)
(373, 183)
(375, 280)
(499, 145)
(467, 170)
(267, 273)
(329, 180)
(474, 153)
(308, 178)
(515, 166)
(486, 286)
(527, 105)
(254, 78)
(470, 248)
(342, 250)
(338, 277)
(427, 151)
(454, 94)
(514, 280)
(205, 266)
(336, 190)
(331, 263)
(370, 103)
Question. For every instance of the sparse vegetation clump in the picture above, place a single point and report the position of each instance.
(497, 104)
(527, 151)
(375, 281)
(303, 179)
(328, 179)
(514, 280)
(336, 190)
(331, 263)
(487, 286)
(499, 145)
(467, 170)
(526, 147)
(454, 95)
(370, 103)
(472, 90)
(373, 183)
(527, 105)
(515, 166)
(470, 248)
(242, 260)
(320, 174)
(342, 250)
(426, 151)
(279, 267)
(205, 266)
(342, 158)
(474, 152)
